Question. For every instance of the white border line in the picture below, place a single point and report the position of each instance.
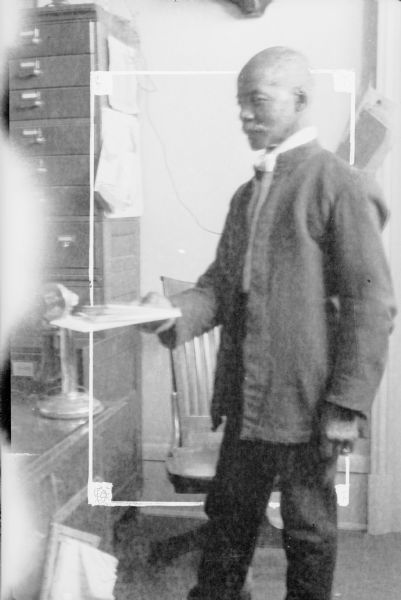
(167, 72)
(91, 267)
(99, 493)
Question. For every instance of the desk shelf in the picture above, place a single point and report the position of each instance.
(53, 472)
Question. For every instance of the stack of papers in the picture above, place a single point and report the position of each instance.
(108, 316)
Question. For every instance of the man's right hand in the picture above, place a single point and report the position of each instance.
(157, 301)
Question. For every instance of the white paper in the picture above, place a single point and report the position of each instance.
(123, 95)
(118, 177)
(83, 573)
(130, 315)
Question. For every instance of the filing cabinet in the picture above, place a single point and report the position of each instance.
(51, 128)
(50, 125)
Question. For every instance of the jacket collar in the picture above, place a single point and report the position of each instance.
(266, 161)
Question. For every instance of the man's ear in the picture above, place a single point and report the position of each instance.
(301, 99)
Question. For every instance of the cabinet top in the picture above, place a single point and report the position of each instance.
(62, 12)
(120, 27)
(46, 439)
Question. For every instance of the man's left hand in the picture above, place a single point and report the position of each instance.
(339, 429)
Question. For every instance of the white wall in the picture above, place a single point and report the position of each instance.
(192, 146)
(385, 474)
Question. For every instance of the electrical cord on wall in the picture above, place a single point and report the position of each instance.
(171, 177)
(149, 89)
(153, 89)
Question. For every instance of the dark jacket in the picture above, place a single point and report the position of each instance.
(315, 323)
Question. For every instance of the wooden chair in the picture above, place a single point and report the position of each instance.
(191, 461)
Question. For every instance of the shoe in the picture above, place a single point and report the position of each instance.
(196, 593)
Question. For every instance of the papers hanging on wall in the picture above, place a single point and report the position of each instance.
(111, 316)
(118, 177)
(122, 64)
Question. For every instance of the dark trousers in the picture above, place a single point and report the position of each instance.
(236, 505)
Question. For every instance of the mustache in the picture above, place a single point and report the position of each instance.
(255, 129)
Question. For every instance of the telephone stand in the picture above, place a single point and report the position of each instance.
(72, 400)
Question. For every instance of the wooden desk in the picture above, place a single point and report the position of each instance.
(53, 475)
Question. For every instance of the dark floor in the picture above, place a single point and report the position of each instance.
(368, 568)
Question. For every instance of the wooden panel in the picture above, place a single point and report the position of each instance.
(122, 287)
(60, 170)
(40, 138)
(52, 103)
(49, 39)
(121, 259)
(122, 452)
(123, 243)
(354, 516)
(49, 71)
(120, 349)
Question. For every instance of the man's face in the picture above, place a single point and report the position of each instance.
(268, 110)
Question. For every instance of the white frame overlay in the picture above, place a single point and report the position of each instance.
(100, 493)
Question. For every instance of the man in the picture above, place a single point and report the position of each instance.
(301, 288)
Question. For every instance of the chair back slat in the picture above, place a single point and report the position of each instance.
(194, 365)
(189, 380)
(202, 400)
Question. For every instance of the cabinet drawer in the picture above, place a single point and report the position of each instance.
(67, 244)
(64, 136)
(50, 103)
(49, 71)
(60, 170)
(49, 39)
(66, 201)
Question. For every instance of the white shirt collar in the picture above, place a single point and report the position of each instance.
(266, 161)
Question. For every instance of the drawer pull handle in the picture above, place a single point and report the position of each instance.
(66, 240)
(31, 36)
(35, 136)
(29, 68)
(30, 100)
(41, 168)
